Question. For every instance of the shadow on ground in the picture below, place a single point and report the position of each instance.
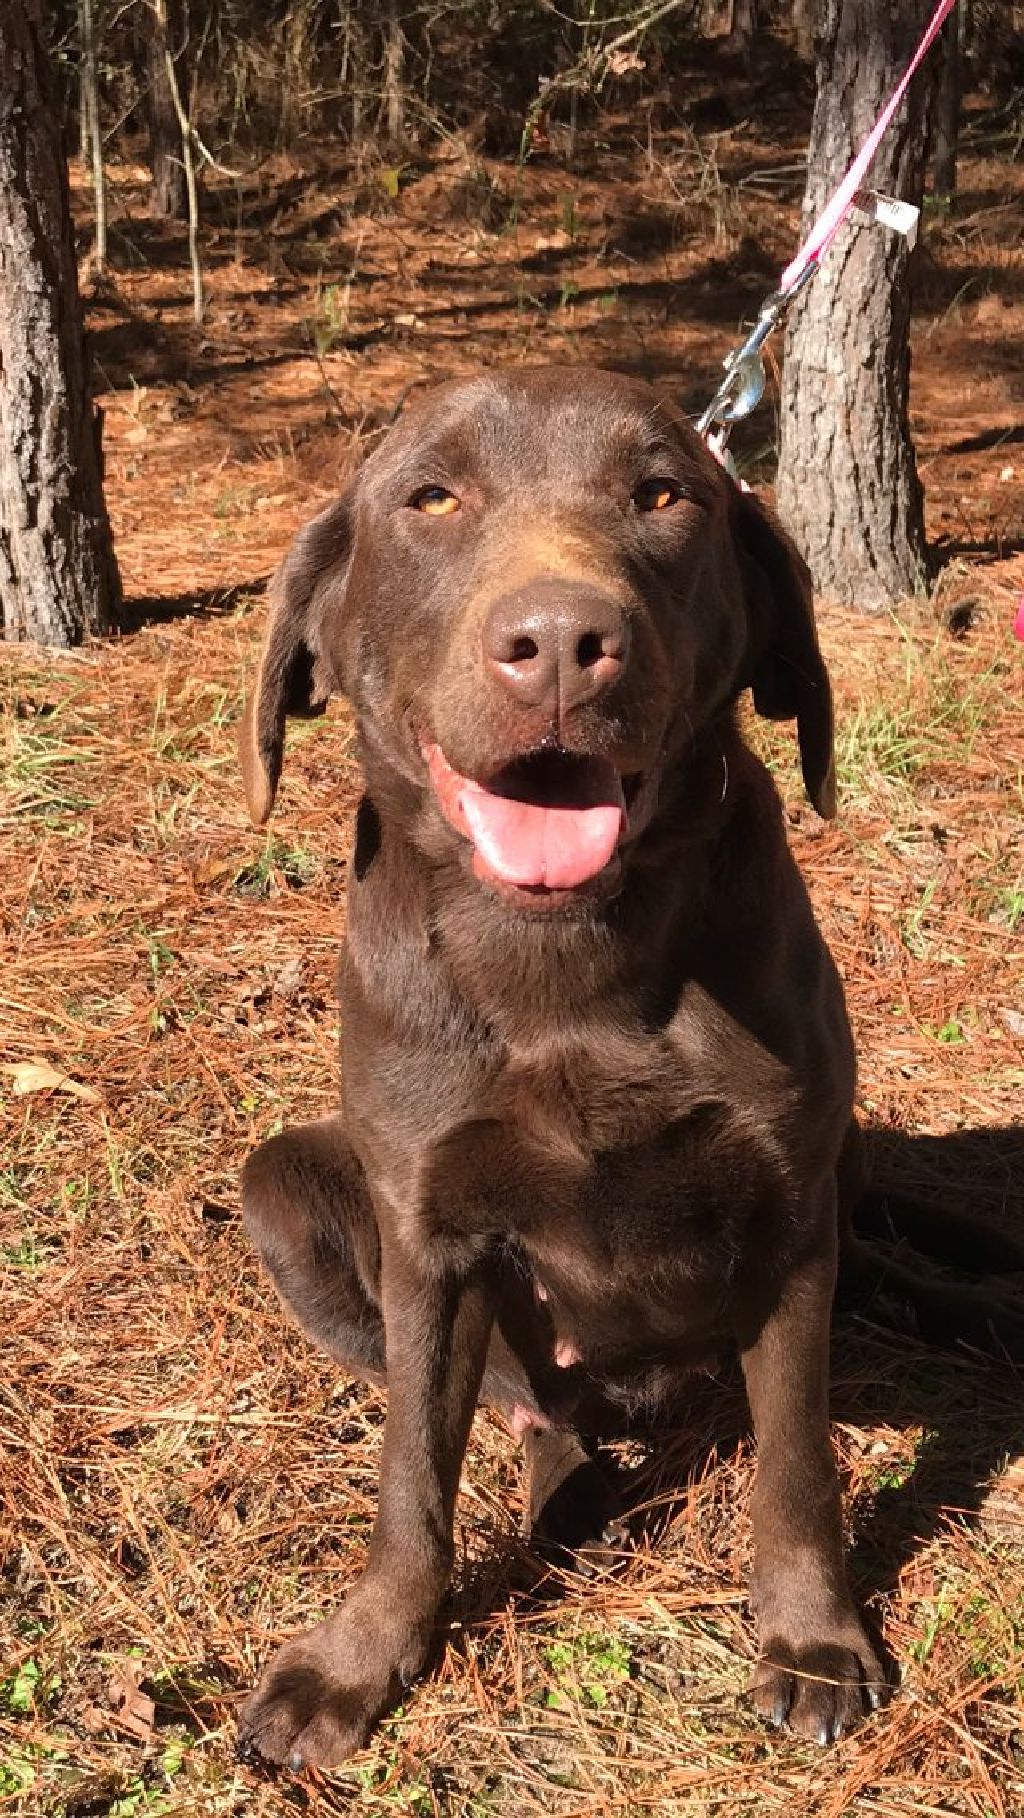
(193, 603)
(969, 1410)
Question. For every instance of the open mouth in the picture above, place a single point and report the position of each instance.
(551, 820)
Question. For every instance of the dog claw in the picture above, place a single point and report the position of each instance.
(818, 1689)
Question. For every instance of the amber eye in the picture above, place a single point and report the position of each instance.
(436, 501)
(657, 495)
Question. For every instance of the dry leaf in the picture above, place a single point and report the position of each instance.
(213, 869)
(39, 1076)
(621, 63)
(289, 980)
(133, 1709)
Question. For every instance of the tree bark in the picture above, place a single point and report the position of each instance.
(946, 116)
(84, 129)
(742, 27)
(394, 72)
(805, 15)
(183, 115)
(58, 576)
(92, 91)
(352, 74)
(848, 486)
(164, 34)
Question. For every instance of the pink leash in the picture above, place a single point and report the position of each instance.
(835, 211)
(743, 386)
(744, 382)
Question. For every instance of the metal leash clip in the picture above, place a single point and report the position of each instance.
(743, 386)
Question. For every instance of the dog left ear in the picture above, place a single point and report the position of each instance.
(785, 670)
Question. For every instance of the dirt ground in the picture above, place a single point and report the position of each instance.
(184, 1482)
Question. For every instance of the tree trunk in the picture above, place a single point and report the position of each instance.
(394, 71)
(92, 92)
(84, 127)
(164, 33)
(58, 576)
(742, 26)
(183, 115)
(352, 74)
(805, 16)
(946, 115)
(847, 485)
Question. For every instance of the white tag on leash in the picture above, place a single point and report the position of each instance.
(870, 205)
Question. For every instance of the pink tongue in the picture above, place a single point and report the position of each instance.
(524, 844)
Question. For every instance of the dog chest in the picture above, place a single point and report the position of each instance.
(625, 1170)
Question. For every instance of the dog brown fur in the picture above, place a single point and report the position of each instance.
(589, 1136)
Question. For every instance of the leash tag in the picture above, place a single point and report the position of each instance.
(871, 207)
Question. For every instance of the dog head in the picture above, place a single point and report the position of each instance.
(536, 593)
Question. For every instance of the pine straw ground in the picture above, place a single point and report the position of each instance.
(185, 1482)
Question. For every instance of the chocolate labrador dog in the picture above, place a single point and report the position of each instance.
(598, 1076)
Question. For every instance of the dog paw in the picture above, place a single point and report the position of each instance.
(820, 1689)
(320, 1697)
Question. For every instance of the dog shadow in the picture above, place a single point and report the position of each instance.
(965, 1410)
(956, 1416)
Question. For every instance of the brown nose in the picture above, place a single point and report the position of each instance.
(556, 643)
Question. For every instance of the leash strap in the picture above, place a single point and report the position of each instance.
(836, 210)
(743, 386)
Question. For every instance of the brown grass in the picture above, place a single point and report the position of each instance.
(185, 1482)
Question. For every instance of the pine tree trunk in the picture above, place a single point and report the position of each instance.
(742, 28)
(805, 13)
(167, 198)
(946, 115)
(92, 91)
(352, 74)
(848, 486)
(394, 71)
(58, 576)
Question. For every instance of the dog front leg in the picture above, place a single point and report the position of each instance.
(322, 1693)
(817, 1667)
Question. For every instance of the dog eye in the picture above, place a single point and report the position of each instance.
(657, 495)
(436, 501)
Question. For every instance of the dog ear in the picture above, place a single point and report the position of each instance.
(786, 671)
(296, 672)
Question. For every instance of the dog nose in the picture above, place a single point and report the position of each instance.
(555, 643)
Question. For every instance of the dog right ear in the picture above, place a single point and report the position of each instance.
(788, 677)
(297, 672)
